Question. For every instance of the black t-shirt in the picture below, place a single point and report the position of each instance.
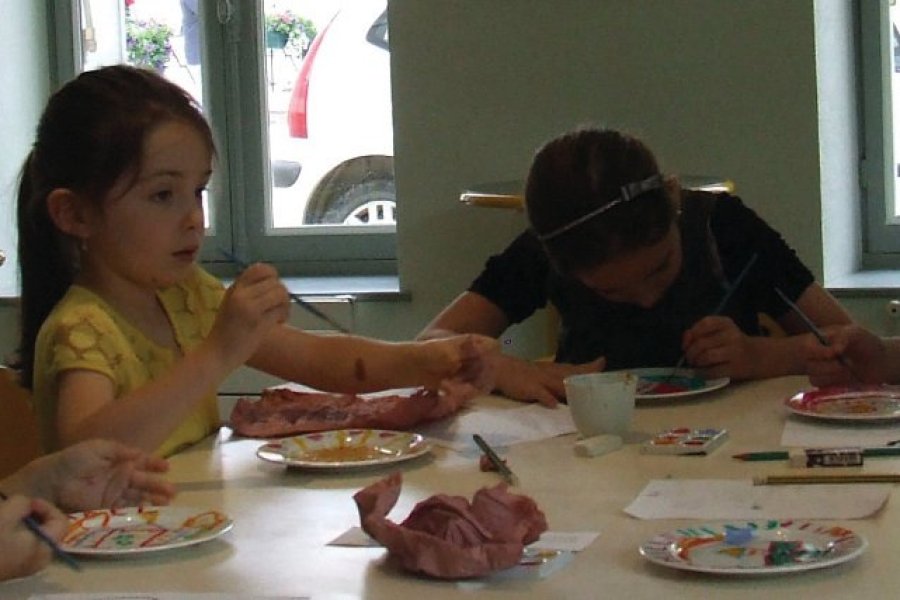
(719, 235)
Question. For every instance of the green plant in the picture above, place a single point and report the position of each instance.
(149, 44)
(294, 27)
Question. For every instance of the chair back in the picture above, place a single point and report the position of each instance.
(19, 434)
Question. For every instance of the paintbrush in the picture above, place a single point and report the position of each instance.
(815, 331)
(645, 388)
(58, 552)
(498, 463)
(308, 307)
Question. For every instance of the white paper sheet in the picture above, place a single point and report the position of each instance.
(500, 426)
(723, 499)
(824, 434)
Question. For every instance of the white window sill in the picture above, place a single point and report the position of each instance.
(865, 283)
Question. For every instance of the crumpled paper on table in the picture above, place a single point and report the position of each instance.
(447, 536)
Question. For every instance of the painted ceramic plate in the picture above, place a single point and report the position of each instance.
(860, 403)
(136, 530)
(345, 448)
(660, 382)
(754, 547)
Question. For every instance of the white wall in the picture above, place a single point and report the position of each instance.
(25, 80)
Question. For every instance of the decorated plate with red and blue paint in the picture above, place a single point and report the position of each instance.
(655, 383)
(139, 529)
(845, 403)
(345, 448)
(754, 547)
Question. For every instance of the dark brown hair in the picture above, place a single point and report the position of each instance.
(90, 135)
(578, 173)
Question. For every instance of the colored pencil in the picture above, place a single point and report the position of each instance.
(58, 552)
(758, 456)
(294, 297)
(498, 463)
(822, 479)
(784, 455)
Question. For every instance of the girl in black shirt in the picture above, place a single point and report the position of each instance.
(636, 265)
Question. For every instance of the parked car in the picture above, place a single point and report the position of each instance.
(340, 119)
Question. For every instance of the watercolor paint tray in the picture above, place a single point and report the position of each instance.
(685, 440)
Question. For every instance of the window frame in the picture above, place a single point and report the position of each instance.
(881, 230)
(241, 174)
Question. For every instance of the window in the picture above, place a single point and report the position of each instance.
(298, 94)
(880, 172)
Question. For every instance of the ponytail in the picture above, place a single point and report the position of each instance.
(46, 266)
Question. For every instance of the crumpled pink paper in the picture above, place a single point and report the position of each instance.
(448, 537)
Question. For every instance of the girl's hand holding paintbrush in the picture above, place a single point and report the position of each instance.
(255, 303)
(871, 358)
(720, 349)
(22, 552)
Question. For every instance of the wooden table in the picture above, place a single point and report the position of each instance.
(285, 518)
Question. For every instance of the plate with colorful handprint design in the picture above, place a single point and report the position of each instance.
(754, 547)
(837, 403)
(138, 529)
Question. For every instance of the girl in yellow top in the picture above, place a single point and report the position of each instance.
(124, 336)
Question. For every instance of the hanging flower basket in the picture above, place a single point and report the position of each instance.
(276, 39)
(286, 27)
(148, 44)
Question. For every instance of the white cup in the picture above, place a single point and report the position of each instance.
(601, 403)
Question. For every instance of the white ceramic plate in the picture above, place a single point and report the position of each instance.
(684, 382)
(135, 530)
(345, 448)
(860, 403)
(754, 547)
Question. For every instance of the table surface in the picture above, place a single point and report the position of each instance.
(285, 518)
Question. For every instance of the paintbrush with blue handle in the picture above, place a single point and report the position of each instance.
(58, 552)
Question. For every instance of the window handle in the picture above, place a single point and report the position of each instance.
(224, 10)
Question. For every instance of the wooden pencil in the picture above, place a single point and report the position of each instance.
(816, 479)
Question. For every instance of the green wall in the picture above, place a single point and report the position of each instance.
(725, 88)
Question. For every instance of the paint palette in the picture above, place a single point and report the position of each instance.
(684, 440)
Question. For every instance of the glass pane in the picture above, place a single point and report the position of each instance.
(163, 35)
(894, 89)
(330, 125)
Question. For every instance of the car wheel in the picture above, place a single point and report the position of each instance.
(366, 203)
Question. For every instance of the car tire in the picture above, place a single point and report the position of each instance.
(370, 202)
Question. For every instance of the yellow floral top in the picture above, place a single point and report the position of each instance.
(84, 332)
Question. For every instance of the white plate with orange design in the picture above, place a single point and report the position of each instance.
(345, 448)
(139, 529)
